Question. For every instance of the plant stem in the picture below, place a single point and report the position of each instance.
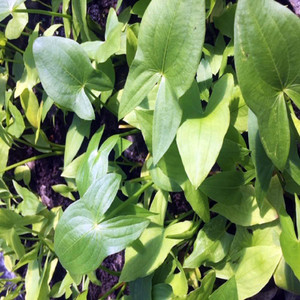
(129, 200)
(46, 5)
(113, 273)
(115, 287)
(56, 153)
(139, 179)
(102, 103)
(134, 131)
(43, 12)
(14, 47)
(121, 291)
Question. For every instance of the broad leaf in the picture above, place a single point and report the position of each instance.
(266, 56)
(65, 74)
(83, 238)
(168, 46)
(200, 139)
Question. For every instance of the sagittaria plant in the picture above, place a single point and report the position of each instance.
(213, 87)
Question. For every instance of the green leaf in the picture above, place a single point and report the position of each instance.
(18, 126)
(155, 248)
(95, 162)
(83, 238)
(266, 46)
(225, 186)
(254, 269)
(141, 288)
(285, 278)
(75, 73)
(263, 165)
(226, 291)
(212, 244)
(245, 211)
(29, 76)
(289, 242)
(31, 204)
(168, 46)
(76, 133)
(167, 118)
(132, 32)
(200, 139)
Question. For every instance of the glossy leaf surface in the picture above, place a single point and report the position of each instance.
(83, 239)
(168, 46)
(75, 72)
(266, 47)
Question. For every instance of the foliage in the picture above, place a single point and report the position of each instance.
(213, 87)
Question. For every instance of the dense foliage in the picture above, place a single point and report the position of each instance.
(213, 87)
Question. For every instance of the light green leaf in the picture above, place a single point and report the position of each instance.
(200, 139)
(226, 291)
(30, 105)
(254, 268)
(285, 278)
(76, 133)
(167, 118)
(83, 238)
(212, 244)
(168, 46)
(16, 25)
(266, 48)
(75, 72)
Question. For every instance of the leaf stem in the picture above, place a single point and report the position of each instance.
(129, 200)
(43, 12)
(14, 47)
(56, 153)
(115, 287)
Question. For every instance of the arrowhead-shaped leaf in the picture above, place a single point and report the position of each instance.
(168, 46)
(200, 139)
(83, 238)
(65, 70)
(268, 68)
